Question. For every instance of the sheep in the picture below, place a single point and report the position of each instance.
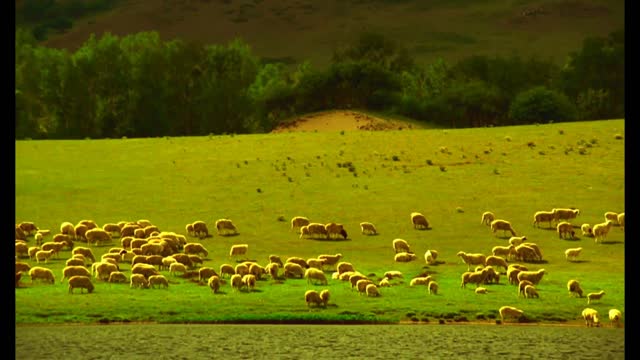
(543, 216)
(42, 273)
(138, 281)
(594, 296)
(355, 277)
(316, 263)
(393, 274)
(590, 317)
(22, 249)
(430, 257)
(574, 287)
(493, 260)
(433, 287)
(96, 235)
(52, 245)
(509, 311)
(149, 230)
(70, 271)
(44, 255)
(565, 214)
(512, 274)
(335, 230)
(204, 273)
(492, 275)
(361, 285)
(22, 266)
(324, 296)
(116, 257)
(587, 230)
(565, 229)
(610, 215)
(236, 281)
(257, 271)
(139, 233)
(152, 248)
(200, 229)
(276, 259)
(128, 230)
(227, 269)
(471, 259)
(536, 249)
(372, 290)
(189, 230)
(481, 290)
(572, 253)
(144, 223)
(404, 257)
(533, 276)
(29, 228)
(249, 281)
(368, 228)
(517, 240)
(292, 270)
(272, 270)
(64, 239)
(503, 225)
(487, 218)
(476, 277)
(344, 266)
(601, 230)
(530, 292)
(242, 269)
(81, 230)
(214, 283)
(159, 280)
(400, 245)
(195, 249)
(621, 220)
(39, 238)
(226, 227)
(117, 277)
(526, 253)
(330, 260)
(82, 282)
(112, 229)
(299, 221)
(506, 252)
(31, 251)
(313, 231)
(422, 280)
(614, 317)
(298, 260)
(384, 283)
(312, 297)
(419, 221)
(177, 267)
(102, 270)
(239, 249)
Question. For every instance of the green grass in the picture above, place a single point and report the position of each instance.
(512, 171)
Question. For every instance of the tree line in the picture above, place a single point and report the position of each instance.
(141, 86)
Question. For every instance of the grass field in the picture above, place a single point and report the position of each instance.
(348, 178)
(313, 30)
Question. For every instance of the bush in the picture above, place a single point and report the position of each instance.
(540, 104)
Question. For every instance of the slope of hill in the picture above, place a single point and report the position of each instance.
(297, 30)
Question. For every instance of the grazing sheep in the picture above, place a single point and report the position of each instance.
(195, 249)
(543, 216)
(536, 249)
(239, 249)
(312, 297)
(102, 270)
(530, 292)
(214, 283)
(587, 230)
(272, 270)
(610, 215)
(324, 296)
(393, 274)
(144, 223)
(572, 253)
(316, 263)
(601, 230)
(177, 267)
(517, 240)
(433, 287)
(493, 260)
(190, 231)
(533, 276)
(430, 257)
(81, 230)
(298, 260)
(565, 214)
(471, 259)
(226, 227)
(509, 311)
(112, 229)
(20, 235)
(39, 238)
(82, 282)
(145, 269)
(275, 259)
(334, 230)
(117, 277)
(314, 231)
(236, 281)
(42, 273)
(506, 252)
(422, 280)
(293, 270)
(249, 281)
(473, 277)
(526, 253)
(44, 255)
(159, 280)
(400, 245)
(242, 269)
(492, 275)
(52, 245)
(344, 266)
(487, 218)
(22, 267)
(138, 281)
(372, 290)
(200, 229)
(614, 317)
(502, 225)
(129, 230)
(299, 221)
(594, 296)
(404, 257)
(227, 269)
(22, 249)
(481, 290)
(139, 233)
(355, 277)
(621, 220)
(152, 248)
(590, 317)
(32, 250)
(574, 287)
(330, 260)
(204, 273)
(97, 235)
(361, 285)
(28, 228)
(419, 221)
(70, 271)
(368, 228)
(257, 271)
(63, 239)
(565, 230)
(384, 283)
(512, 274)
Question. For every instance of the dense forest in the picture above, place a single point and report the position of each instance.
(141, 86)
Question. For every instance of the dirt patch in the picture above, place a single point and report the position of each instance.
(340, 120)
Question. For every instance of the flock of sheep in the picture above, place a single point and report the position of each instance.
(149, 251)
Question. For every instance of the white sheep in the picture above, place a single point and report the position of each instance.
(312, 297)
(421, 280)
(189, 229)
(517, 240)
(138, 281)
(73, 270)
(393, 274)
(299, 221)
(236, 281)
(543, 216)
(324, 296)
(572, 253)
(574, 287)
(496, 261)
(298, 260)
(97, 235)
(82, 282)
(44, 255)
(355, 277)
(487, 218)
(400, 245)
(621, 220)
(601, 230)
(292, 270)
(159, 280)
(615, 316)
(526, 253)
(335, 231)
(28, 227)
(530, 292)
(205, 272)
(590, 317)
(22, 249)
(471, 259)
(404, 257)
(372, 290)
(509, 311)
(214, 283)
(22, 267)
(506, 252)
(536, 249)
(200, 229)
(313, 231)
(503, 225)
(112, 229)
(430, 257)
(316, 263)
(242, 269)
(474, 277)
(594, 296)
(272, 270)
(227, 269)
(565, 230)
(102, 270)
(344, 266)
(117, 277)
(384, 283)
(330, 260)
(610, 215)
(361, 285)
(419, 221)
(226, 227)
(32, 250)
(533, 276)
(239, 249)
(565, 214)
(39, 238)
(276, 260)
(42, 273)
(368, 228)
(481, 290)
(195, 249)
(314, 276)
(433, 287)
(176, 267)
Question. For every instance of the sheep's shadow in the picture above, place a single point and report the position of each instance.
(611, 242)
(229, 235)
(220, 292)
(571, 239)
(245, 260)
(331, 239)
(578, 261)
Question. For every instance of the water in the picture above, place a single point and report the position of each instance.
(317, 342)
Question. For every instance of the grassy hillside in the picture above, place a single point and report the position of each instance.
(348, 178)
(296, 30)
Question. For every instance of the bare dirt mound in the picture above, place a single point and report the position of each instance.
(339, 120)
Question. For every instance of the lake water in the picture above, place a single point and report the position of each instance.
(336, 342)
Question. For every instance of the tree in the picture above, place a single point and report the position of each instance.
(540, 104)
